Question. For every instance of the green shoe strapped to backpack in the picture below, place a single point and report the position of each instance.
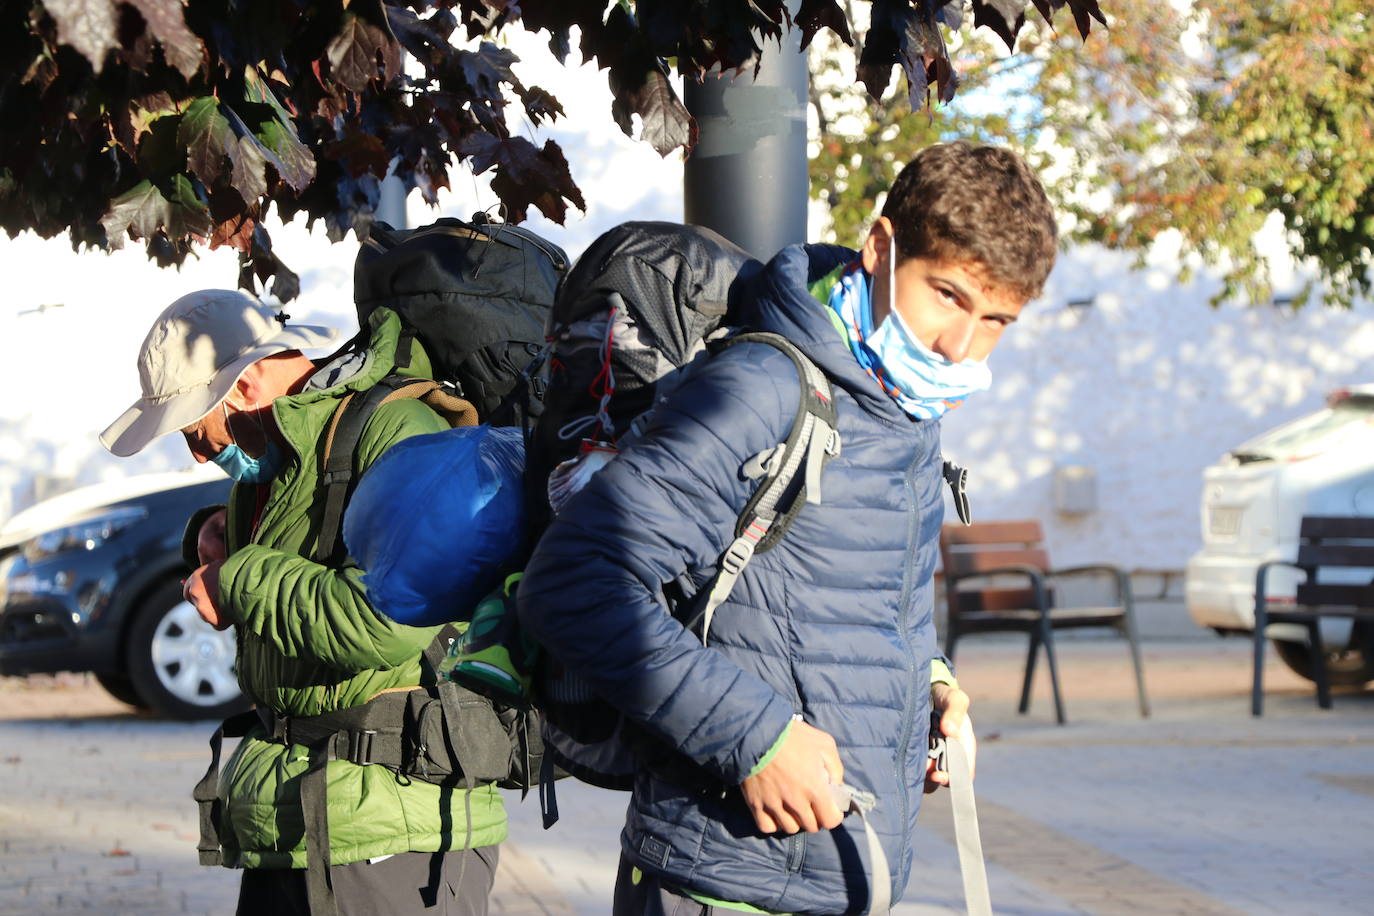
(493, 657)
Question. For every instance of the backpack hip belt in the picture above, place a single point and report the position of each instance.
(442, 734)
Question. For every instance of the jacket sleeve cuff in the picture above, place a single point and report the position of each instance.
(941, 673)
(772, 752)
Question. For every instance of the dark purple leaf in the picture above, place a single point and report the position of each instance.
(879, 51)
(815, 15)
(665, 123)
(483, 149)
(207, 137)
(1082, 10)
(1004, 17)
(236, 232)
(526, 176)
(911, 38)
(261, 263)
(419, 36)
(559, 45)
(141, 209)
(1047, 9)
(487, 68)
(282, 148)
(89, 26)
(540, 104)
(167, 23)
(361, 53)
(360, 153)
(248, 175)
(357, 201)
(187, 213)
(286, 284)
(951, 13)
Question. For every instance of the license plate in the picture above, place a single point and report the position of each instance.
(1224, 521)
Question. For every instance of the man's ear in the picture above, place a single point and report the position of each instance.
(248, 388)
(875, 246)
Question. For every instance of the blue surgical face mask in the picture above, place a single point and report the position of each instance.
(241, 466)
(929, 383)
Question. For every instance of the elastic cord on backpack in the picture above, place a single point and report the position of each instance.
(606, 377)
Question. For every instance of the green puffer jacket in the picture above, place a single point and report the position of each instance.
(308, 643)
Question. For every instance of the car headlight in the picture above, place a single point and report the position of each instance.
(87, 534)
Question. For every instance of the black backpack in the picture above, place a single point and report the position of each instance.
(643, 302)
(476, 295)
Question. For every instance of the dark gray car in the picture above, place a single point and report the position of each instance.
(91, 581)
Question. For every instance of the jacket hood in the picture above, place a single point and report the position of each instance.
(776, 298)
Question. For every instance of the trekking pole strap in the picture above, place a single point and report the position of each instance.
(951, 757)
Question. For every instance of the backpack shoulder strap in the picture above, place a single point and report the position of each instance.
(813, 440)
(338, 462)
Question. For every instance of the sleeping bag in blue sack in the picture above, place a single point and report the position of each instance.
(434, 521)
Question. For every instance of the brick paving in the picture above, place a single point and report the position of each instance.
(1200, 809)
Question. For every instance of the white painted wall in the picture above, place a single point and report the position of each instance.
(1146, 387)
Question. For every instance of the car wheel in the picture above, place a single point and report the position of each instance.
(179, 664)
(1348, 667)
(121, 688)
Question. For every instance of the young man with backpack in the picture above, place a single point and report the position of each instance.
(815, 685)
(300, 804)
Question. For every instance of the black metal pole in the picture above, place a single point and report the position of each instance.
(747, 177)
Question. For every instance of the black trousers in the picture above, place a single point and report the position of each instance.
(454, 883)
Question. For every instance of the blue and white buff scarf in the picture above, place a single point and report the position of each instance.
(923, 383)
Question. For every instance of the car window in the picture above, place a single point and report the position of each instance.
(1309, 435)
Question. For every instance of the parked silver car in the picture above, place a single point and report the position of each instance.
(1252, 503)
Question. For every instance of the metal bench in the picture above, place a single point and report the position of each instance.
(978, 559)
(1325, 542)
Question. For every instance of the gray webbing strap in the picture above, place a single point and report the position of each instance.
(732, 563)
(856, 801)
(812, 441)
(951, 757)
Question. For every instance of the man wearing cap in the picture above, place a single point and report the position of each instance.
(227, 372)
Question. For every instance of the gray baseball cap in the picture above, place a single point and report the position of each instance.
(196, 350)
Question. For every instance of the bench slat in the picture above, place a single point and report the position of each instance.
(1336, 555)
(1323, 594)
(963, 564)
(1337, 526)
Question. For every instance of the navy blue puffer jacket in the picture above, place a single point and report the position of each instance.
(834, 623)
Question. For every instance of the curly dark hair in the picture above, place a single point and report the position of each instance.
(961, 202)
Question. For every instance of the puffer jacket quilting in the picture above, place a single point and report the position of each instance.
(309, 642)
(834, 623)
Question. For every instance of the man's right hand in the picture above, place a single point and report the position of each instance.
(202, 591)
(792, 793)
(210, 543)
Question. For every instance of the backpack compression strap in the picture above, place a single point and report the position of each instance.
(812, 441)
(341, 442)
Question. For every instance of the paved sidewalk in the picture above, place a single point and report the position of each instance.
(1200, 809)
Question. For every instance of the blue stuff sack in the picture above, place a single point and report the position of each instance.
(436, 519)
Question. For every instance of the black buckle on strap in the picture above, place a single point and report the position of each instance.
(360, 746)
